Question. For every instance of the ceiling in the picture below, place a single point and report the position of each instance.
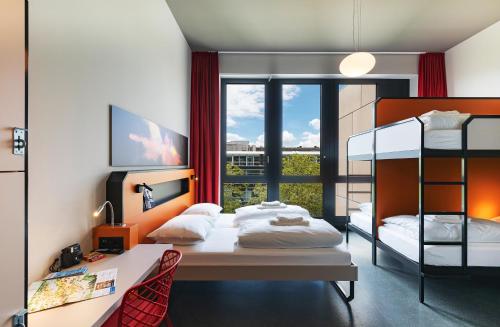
(326, 25)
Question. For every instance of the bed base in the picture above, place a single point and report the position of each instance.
(275, 272)
(353, 228)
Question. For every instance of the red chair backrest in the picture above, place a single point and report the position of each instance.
(146, 304)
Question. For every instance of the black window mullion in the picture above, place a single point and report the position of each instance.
(273, 129)
(329, 131)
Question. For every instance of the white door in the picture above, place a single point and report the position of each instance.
(12, 167)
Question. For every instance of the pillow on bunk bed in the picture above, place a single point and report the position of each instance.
(183, 230)
(205, 209)
(253, 212)
(261, 234)
(443, 119)
(366, 208)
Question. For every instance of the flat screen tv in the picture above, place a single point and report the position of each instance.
(136, 141)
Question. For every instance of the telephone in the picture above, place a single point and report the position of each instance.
(70, 256)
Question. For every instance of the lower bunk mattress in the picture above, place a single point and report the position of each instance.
(362, 220)
(221, 249)
(479, 254)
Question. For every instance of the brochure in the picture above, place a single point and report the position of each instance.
(51, 293)
(67, 273)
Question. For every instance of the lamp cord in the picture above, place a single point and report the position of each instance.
(356, 28)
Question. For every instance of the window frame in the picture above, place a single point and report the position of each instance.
(273, 118)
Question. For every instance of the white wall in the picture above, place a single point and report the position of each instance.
(473, 66)
(84, 56)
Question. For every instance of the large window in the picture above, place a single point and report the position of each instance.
(245, 111)
(285, 139)
(300, 144)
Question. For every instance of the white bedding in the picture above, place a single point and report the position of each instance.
(362, 220)
(260, 234)
(479, 254)
(220, 249)
(445, 139)
(253, 212)
(478, 230)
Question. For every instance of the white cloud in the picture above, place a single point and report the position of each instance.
(234, 137)
(260, 140)
(245, 101)
(310, 140)
(315, 123)
(290, 92)
(288, 138)
(230, 122)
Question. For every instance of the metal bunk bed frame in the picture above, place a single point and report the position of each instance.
(420, 267)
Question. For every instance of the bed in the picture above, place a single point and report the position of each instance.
(220, 258)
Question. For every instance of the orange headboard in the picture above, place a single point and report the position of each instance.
(397, 180)
(151, 219)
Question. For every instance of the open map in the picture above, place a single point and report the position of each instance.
(51, 293)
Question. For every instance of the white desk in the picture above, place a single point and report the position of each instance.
(133, 267)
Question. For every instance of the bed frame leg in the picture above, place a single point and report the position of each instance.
(421, 288)
(346, 298)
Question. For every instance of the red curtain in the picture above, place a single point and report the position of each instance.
(205, 121)
(432, 75)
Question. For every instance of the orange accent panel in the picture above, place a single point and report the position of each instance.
(128, 232)
(484, 187)
(443, 197)
(392, 110)
(152, 219)
(396, 188)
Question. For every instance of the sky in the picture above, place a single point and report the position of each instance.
(301, 114)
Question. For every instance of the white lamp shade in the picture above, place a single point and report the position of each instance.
(357, 64)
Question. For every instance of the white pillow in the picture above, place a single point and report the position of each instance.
(443, 119)
(366, 207)
(183, 229)
(205, 209)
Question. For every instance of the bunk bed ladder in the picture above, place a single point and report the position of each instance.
(463, 242)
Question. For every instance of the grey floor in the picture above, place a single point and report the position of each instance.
(386, 295)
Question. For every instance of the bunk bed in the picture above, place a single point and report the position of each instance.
(433, 173)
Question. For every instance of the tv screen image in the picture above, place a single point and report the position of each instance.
(136, 141)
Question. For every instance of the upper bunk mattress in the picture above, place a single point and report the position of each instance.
(479, 254)
(221, 249)
(446, 139)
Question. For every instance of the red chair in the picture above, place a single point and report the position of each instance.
(146, 304)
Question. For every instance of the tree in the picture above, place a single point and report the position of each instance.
(307, 195)
(241, 194)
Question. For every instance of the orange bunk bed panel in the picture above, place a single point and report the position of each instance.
(397, 189)
(484, 187)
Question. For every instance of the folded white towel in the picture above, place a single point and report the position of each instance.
(270, 204)
(290, 217)
(277, 222)
(281, 206)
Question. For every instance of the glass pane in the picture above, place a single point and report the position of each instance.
(245, 129)
(241, 194)
(307, 195)
(356, 103)
(301, 129)
(362, 195)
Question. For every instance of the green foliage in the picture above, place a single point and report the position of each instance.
(300, 165)
(307, 195)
